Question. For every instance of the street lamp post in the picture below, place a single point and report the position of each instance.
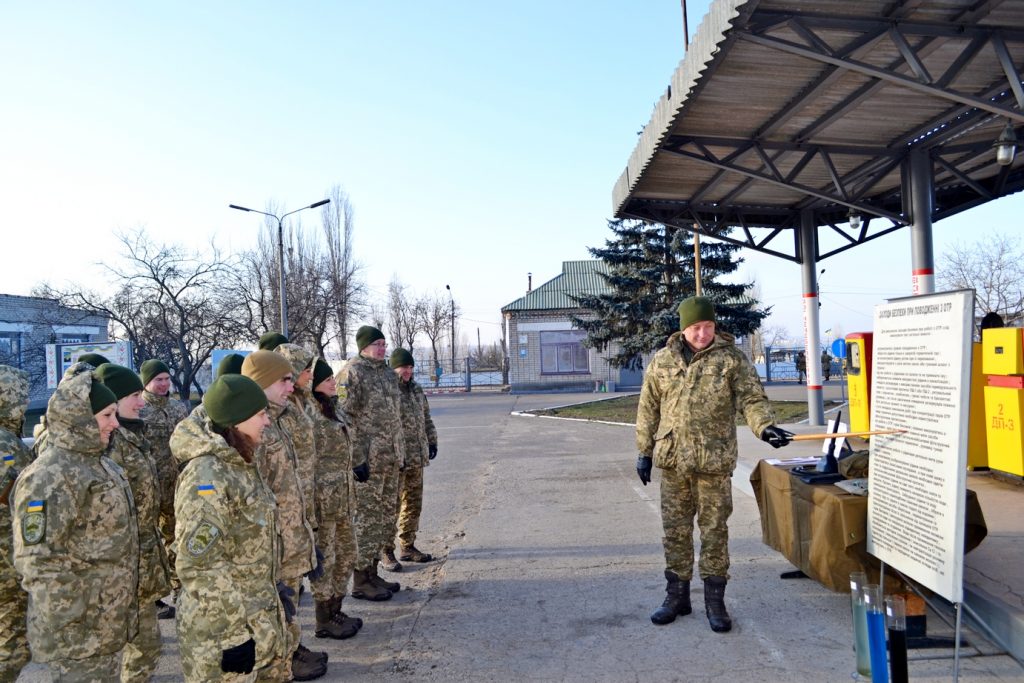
(280, 253)
(448, 287)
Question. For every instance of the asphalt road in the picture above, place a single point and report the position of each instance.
(550, 563)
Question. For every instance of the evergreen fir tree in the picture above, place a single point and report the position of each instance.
(650, 272)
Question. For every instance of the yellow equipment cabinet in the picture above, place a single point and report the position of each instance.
(1004, 418)
(858, 379)
(977, 434)
(1003, 350)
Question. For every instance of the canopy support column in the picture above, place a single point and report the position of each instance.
(812, 338)
(922, 203)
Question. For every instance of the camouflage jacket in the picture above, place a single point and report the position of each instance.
(227, 546)
(130, 449)
(335, 490)
(161, 414)
(76, 540)
(373, 406)
(417, 427)
(687, 413)
(298, 422)
(275, 459)
(16, 456)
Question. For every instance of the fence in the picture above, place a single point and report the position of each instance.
(781, 365)
(465, 376)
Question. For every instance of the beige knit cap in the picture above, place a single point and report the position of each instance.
(265, 367)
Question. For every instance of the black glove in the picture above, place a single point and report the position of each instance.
(285, 593)
(361, 472)
(643, 468)
(317, 571)
(776, 437)
(432, 451)
(239, 659)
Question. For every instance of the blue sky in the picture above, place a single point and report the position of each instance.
(478, 141)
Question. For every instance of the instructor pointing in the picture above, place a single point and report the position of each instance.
(686, 423)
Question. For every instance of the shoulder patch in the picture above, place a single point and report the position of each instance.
(33, 523)
(8, 459)
(206, 489)
(202, 538)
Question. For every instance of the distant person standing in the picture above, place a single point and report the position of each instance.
(801, 367)
(161, 414)
(130, 449)
(686, 426)
(14, 652)
(373, 405)
(76, 539)
(826, 365)
(420, 449)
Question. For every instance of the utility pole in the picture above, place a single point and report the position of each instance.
(448, 287)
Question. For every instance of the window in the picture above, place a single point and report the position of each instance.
(10, 348)
(74, 338)
(563, 352)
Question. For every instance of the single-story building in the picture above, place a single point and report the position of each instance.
(29, 323)
(547, 352)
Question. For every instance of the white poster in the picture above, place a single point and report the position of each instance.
(921, 383)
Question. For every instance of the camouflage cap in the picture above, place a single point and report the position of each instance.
(14, 386)
(69, 413)
(298, 357)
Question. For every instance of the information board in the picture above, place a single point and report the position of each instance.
(921, 364)
(60, 357)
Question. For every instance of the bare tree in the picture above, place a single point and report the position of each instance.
(403, 315)
(435, 323)
(344, 273)
(994, 268)
(766, 337)
(378, 315)
(168, 302)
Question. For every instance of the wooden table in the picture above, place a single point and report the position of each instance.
(822, 529)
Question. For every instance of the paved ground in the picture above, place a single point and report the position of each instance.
(550, 563)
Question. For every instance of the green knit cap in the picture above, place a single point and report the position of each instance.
(321, 371)
(694, 310)
(100, 396)
(93, 359)
(230, 364)
(151, 368)
(119, 379)
(271, 340)
(366, 335)
(400, 357)
(233, 399)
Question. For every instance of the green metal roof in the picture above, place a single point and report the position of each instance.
(578, 278)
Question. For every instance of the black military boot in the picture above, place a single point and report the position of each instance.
(677, 600)
(714, 604)
(377, 581)
(390, 562)
(164, 611)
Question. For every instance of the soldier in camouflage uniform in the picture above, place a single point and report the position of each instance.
(420, 449)
(374, 409)
(278, 465)
(231, 623)
(130, 449)
(76, 539)
(160, 415)
(336, 505)
(16, 456)
(686, 420)
(298, 423)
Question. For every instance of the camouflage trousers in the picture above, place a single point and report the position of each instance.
(376, 513)
(336, 539)
(709, 497)
(410, 505)
(98, 669)
(167, 531)
(281, 669)
(142, 653)
(14, 653)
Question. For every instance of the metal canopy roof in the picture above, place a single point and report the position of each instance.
(786, 105)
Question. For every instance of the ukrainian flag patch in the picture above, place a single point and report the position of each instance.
(205, 489)
(33, 523)
(8, 459)
(36, 506)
